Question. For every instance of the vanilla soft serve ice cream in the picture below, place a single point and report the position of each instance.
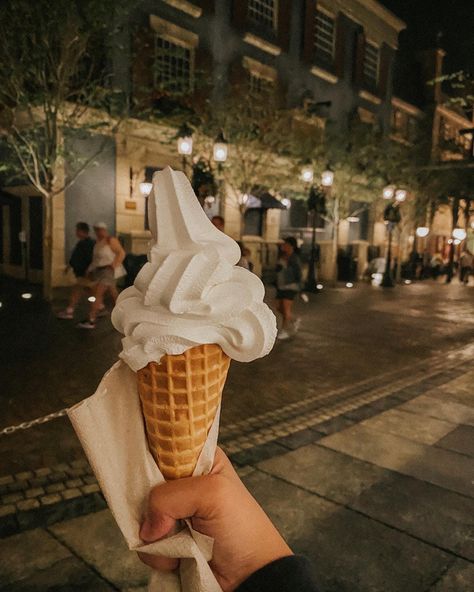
(190, 292)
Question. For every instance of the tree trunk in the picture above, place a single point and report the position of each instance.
(47, 247)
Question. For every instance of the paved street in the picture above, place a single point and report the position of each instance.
(360, 447)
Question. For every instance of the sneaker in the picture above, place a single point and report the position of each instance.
(65, 314)
(283, 334)
(86, 324)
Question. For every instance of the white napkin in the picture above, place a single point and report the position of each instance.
(110, 426)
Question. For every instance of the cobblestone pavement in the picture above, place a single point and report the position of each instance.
(377, 489)
(348, 337)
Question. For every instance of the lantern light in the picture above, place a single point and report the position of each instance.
(457, 241)
(145, 188)
(388, 192)
(353, 219)
(220, 148)
(185, 140)
(459, 234)
(327, 178)
(286, 202)
(422, 231)
(307, 174)
(400, 195)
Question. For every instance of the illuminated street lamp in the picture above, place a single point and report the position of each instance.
(400, 195)
(145, 188)
(459, 234)
(286, 202)
(307, 173)
(388, 192)
(422, 231)
(220, 148)
(327, 178)
(185, 142)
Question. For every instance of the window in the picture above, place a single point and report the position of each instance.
(324, 36)
(258, 85)
(263, 12)
(371, 63)
(174, 63)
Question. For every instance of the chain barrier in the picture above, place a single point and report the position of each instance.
(25, 425)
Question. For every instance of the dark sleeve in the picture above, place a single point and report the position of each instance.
(297, 269)
(289, 574)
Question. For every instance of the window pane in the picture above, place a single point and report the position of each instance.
(262, 12)
(173, 66)
(324, 36)
(371, 63)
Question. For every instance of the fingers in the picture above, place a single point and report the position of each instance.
(159, 563)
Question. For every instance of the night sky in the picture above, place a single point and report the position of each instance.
(425, 19)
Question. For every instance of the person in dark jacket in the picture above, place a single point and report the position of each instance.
(288, 285)
(81, 258)
(249, 554)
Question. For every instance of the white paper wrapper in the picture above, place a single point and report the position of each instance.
(110, 426)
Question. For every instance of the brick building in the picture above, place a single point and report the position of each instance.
(339, 54)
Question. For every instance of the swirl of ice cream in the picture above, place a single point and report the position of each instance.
(190, 292)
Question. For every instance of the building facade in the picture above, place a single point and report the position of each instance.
(332, 59)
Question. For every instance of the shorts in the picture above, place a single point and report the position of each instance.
(286, 294)
(84, 281)
(105, 276)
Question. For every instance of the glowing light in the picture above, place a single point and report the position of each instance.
(388, 192)
(319, 286)
(459, 233)
(243, 198)
(349, 285)
(185, 145)
(145, 189)
(1, 304)
(352, 219)
(307, 174)
(422, 231)
(26, 295)
(327, 178)
(400, 195)
(407, 282)
(457, 241)
(286, 202)
(91, 299)
(450, 241)
(377, 279)
(220, 152)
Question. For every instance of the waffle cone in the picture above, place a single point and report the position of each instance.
(179, 398)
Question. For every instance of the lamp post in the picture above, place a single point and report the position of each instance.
(316, 205)
(185, 143)
(219, 154)
(392, 217)
(327, 180)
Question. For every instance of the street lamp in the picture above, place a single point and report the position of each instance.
(459, 234)
(422, 231)
(145, 188)
(392, 217)
(388, 192)
(400, 195)
(316, 205)
(307, 173)
(185, 142)
(327, 178)
(220, 148)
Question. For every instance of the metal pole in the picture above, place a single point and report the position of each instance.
(335, 237)
(311, 279)
(387, 281)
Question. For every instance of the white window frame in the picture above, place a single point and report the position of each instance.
(275, 15)
(332, 16)
(377, 71)
(177, 43)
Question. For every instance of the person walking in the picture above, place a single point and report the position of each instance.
(105, 269)
(79, 262)
(288, 284)
(465, 262)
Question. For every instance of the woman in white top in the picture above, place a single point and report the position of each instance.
(104, 270)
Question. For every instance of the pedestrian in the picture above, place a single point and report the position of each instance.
(248, 554)
(105, 269)
(79, 262)
(436, 265)
(466, 262)
(244, 260)
(288, 284)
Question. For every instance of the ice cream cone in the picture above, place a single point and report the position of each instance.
(179, 398)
